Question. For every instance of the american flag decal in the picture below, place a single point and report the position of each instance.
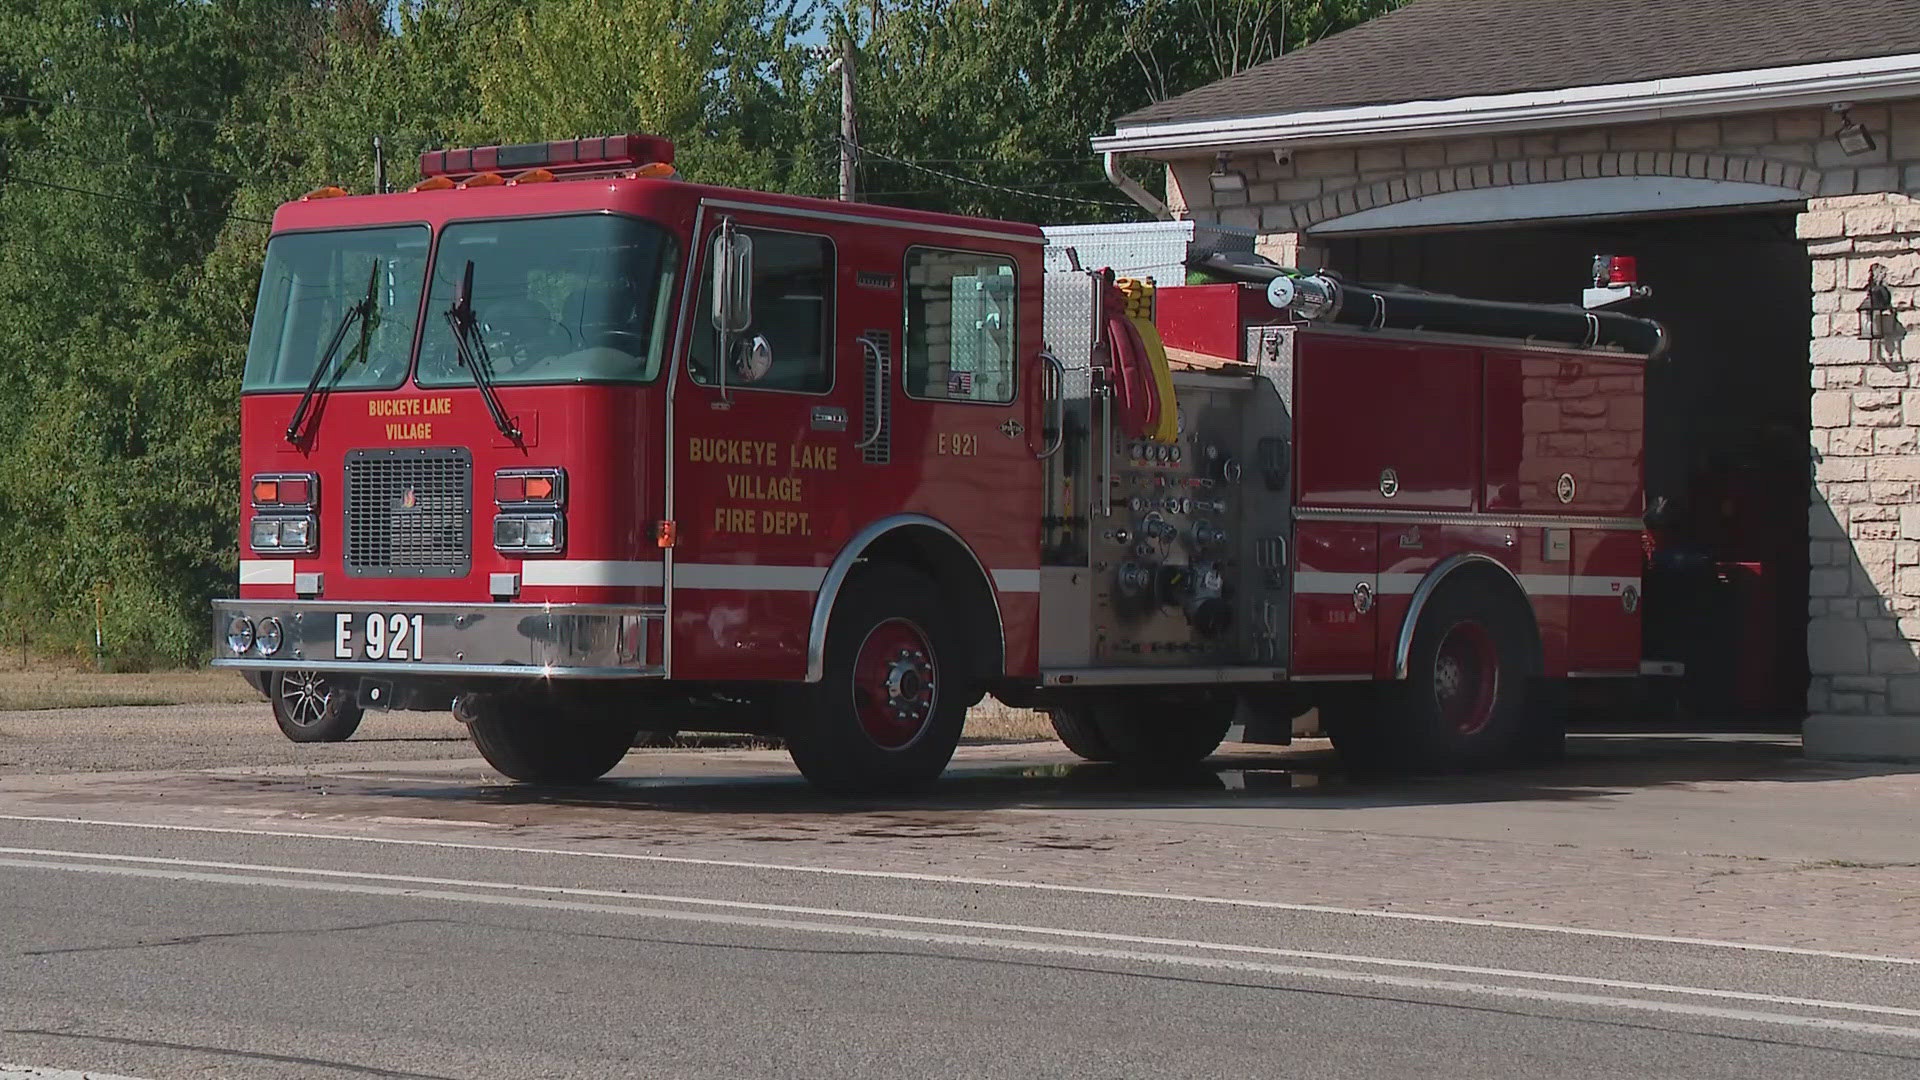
(960, 384)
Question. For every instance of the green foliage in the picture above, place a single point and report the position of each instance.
(144, 145)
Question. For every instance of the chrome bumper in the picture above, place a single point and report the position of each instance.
(558, 641)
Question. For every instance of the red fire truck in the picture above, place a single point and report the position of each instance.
(588, 451)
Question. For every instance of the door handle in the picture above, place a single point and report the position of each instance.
(876, 395)
(1059, 370)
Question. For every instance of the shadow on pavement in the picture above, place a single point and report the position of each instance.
(1599, 763)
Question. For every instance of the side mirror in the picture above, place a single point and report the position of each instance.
(732, 280)
(755, 359)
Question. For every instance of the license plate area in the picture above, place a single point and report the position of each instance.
(379, 635)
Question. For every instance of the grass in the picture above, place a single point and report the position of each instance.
(56, 688)
(991, 721)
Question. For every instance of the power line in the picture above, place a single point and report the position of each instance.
(134, 113)
(126, 199)
(998, 187)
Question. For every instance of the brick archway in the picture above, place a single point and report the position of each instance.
(1553, 169)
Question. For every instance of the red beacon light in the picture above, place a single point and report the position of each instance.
(609, 155)
(1616, 278)
(1615, 270)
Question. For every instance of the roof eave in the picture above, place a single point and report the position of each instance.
(1757, 90)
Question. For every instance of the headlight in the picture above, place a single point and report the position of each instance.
(287, 535)
(239, 634)
(540, 533)
(529, 533)
(268, 635)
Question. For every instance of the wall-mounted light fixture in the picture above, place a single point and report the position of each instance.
(1224, 179)
(1853, 137)
(1877, 308)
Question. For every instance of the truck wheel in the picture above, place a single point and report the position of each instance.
(887, 714)
(538, 742)
(261, 681)
(1145, 730)
(1076, 728)
(1464, 703)
(309, 707)
(1355, 719)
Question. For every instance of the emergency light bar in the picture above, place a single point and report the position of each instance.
(611, 153)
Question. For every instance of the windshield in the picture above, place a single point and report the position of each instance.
(310, 281)
(562, 299)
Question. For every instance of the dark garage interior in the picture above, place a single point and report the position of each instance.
(1727, 423)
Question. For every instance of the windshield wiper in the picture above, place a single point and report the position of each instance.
(361, 312)
(471, 346)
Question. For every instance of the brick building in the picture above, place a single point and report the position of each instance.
(1760, 158)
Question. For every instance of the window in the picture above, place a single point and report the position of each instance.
(581, 298)
(960, 326)
(310, 282)
(792, 310)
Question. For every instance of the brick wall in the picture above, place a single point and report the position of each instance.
(1865, 527)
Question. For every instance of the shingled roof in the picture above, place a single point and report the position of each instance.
(1440, 49)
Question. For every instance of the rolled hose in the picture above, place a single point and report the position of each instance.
(1393, 308)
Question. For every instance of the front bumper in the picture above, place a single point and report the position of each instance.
(553, 641)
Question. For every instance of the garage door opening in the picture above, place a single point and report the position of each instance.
(1727, 422)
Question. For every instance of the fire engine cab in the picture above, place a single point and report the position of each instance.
(590, 451)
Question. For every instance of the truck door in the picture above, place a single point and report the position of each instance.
(760, 435)
(965, 417)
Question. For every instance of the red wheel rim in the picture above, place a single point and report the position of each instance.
(1466, 678)
(895, 683)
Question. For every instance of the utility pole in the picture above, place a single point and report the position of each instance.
(849, 130)
(379, 167)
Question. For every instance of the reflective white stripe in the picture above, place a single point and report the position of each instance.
(1017, 580)
(1322, 583)
(748, 577)
(590, 572)
(1325, 583)
(1585, 585)
(1398, 584)
(266, 571)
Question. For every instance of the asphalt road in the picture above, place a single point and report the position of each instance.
(707, 916)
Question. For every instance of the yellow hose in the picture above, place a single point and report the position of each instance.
(1139, 310)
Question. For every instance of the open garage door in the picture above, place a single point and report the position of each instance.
(1727, 421)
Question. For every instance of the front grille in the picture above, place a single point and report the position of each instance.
(409, 513)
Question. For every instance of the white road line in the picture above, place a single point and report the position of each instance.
(991, 883)
(970, 924)
(1399, 982)
(30, 1072)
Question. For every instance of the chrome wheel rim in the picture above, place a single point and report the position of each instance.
(303, 697)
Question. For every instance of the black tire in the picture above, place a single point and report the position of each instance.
(537, 740)
(886, 715)
(1145, 730)
(1465, 702)
(1543, 739)
(1076, 727)
(261, 681)
(311, 707)
(1356, 720)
